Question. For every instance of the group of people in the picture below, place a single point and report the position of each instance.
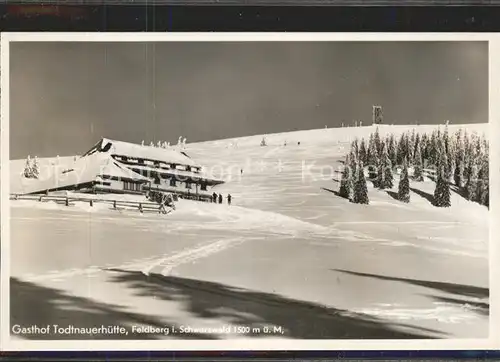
(218, 198)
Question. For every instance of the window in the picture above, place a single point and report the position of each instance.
(141, 161)
(188, 184)
(203, 186)
(172, 166)
(173, 182)
(188, 168)
(157, 164)
(157, 179)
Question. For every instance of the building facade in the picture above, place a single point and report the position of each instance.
(121, 167)
(166, 169)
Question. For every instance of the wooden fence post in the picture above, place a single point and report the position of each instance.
(140, 207)
(67, 201)
(91, 203)
(114, 204)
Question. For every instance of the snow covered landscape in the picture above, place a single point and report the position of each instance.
(289, 258)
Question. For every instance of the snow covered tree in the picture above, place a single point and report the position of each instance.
(392, 150)
(346, 183)
(158, 144)
(418, 167)
(459, 172)
(446, 140)
(483, 191)
(371, 147)
(355, 147)
(360, 194)
(28, 171)
(411, 146)
(404, 184)
(377, 140)
(353, 161)
(433, 156)
(184, 142)
(417, 144)
(402, 149)
(363, 153)
(471, 186)
(142, 143)
(442, 192)
(373, 158)
(385, 178)
(424, 147)
(35, 169)
(151, 144)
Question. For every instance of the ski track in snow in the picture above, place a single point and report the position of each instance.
(166, 262)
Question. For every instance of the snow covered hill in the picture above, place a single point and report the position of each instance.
(287, 247)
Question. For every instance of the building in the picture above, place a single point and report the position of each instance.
(377, 115)
(121, 167)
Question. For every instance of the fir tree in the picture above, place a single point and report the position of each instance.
(402, 149)
(353, 161)
(433, 149)
(483, 192)
(28, 171)
(373, 160)
(360, 195)
(418, 171)
(471, 186)
(404, 184)
(460, 165)
(346, 183)
(355, 147)
(411, 146)
(424, 148)
(377, 140)
(442, 192)
(35, 171)
(363, 152)
(385, 178)
(371, 148)
(392, 150)
(446, 140)
(417, 144)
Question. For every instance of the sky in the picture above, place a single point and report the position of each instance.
(65, 96)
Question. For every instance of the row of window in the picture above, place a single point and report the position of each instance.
(131, 186)
(156, 164)
(173, 183)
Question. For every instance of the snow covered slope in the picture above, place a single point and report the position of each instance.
(289, 252)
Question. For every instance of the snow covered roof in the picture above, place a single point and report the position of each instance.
(121, 148)
(85, 169)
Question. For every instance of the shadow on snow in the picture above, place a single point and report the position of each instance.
(450, 288)
(34, 304)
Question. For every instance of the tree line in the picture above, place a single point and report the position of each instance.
(458, 162)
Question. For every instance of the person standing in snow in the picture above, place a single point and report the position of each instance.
(220, 198)
(214, 197)
(229, 197)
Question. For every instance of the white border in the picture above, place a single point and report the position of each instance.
(493, 342)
